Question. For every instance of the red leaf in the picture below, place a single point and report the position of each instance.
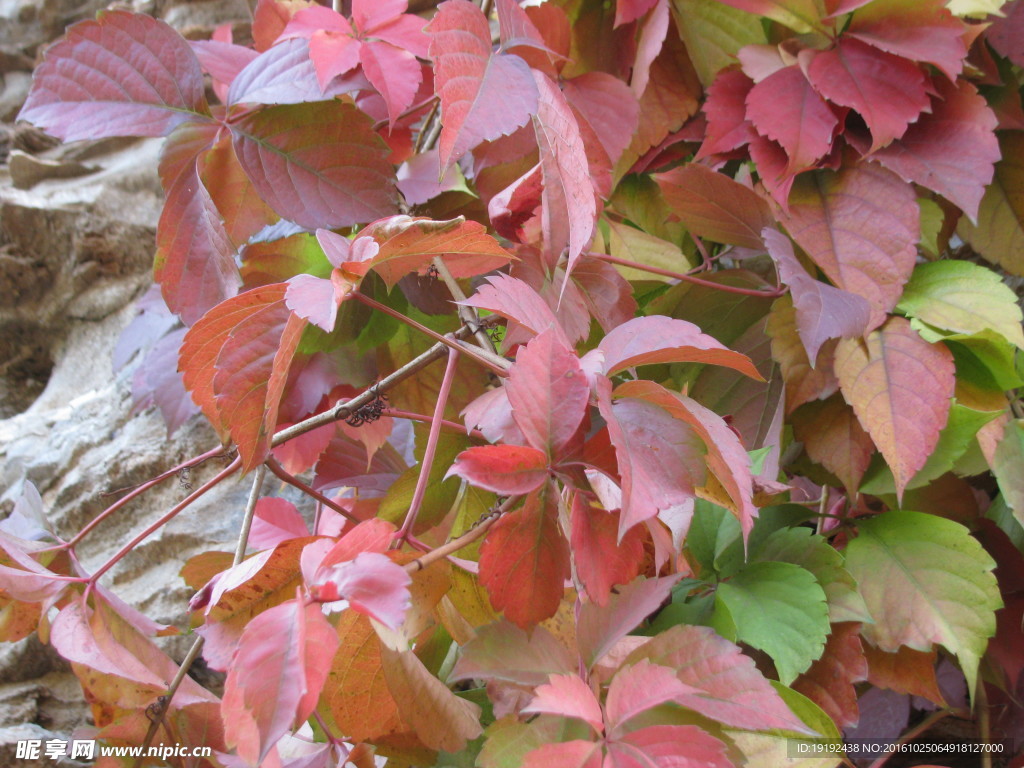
(235, 363)
(567, 696)
(608, 106)
(371, 583)
(904, 671)
(598, 629)
(271, 17)
(569, 204)
(409, 244)
(548, 392)
(785, 107)
(639, 687)
(195, 260)
(182, 148)
(726, 456)
(822, 312)
(726, 110)
(861, 227)
(333, 47)
(657, 339)
(124, 74)
(275, 520)
(524, 561)
(237, 200)
(394, 72)
(679, 746)
(952, 150)
(900, 388)
(919, 30)
(659, 457)
(631, 10)
(887, 91)
(222, 60)
(504, 469)
(518, 302)
(829, 681)
(318, 164)
(601, 560)
(730, 688)
(276, 676)
(483, 95)
(714, 206)
(834, 438)
(607, 294)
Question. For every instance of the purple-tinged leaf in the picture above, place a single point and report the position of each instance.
(822, 311)
(124, 74)
(608, 105)
(318, 164)
(284, 74)
(222, 61)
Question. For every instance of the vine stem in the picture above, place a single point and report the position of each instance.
(395, 413)
(285, 476)
(428, 454)
(468, 314)
(497, 364)
(193, 653)
(225, 473)
(459, 542)
(138, 491)
(690, 278)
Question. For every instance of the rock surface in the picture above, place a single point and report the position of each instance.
(77, 228)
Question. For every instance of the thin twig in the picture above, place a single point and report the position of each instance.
(690, 278)
(428, 454)
(428, 124)
(410, 111)
(396, 413)
(468, 314)
(474, 533)
(293, 481)
(250, 509)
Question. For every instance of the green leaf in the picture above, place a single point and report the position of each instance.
(999, 234)
(932, 219)
(714, 33)
(954, 440)
(781, 749)
(1007, 467)
(714, 539)
(1001, 514)
(962, 297)
(925, 580)
(802, 547)
(779, 608)
(985, 359)
(440, 494)
(632, 244)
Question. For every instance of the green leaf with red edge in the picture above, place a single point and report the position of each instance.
(925, 580)
(276, 676)
(834, 438)
(235, 364)
(799, 15)
(822, 311)
(919, 30)
(503, 651)
(656, 339)
(408, 245)
(195, 260)
(524, 561)
(124, 74)
(730, 689)
(659, 457)
(952, 149)
(548, 392)
(278, 260)
(505, 469)
(861, 226)
(601, 560)
(243, 212)
(900, 387)
(318, 164)
(484, 95)
(726, 457)
(786, 108)
(889, 92)
(714, 206)
(830, 680)
(904, 671)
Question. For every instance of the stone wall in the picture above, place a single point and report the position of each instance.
(77, 228)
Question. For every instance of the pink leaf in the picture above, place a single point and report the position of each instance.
(953, 150)
(333, 48)
(568, 696)
(678, 746)
(124, 74)
(505, 469)
(652, 36)
(726, 110)
(275, 520)
(318, 164)
(314, 299)
(601, 560)
(638, 687)
(222, 60)
(517, 301)
(887, 91)
(785, 107)
(860, 226)
(372, 584)
(565, 754)
(608, 105)
(569, 205)
(548, 392)
(598, 628)
(394, 72)
(483, 95)
(275, 677)
(659, 457)
(822, 312)
(285, 74)
(657, 339)
(491, 413)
